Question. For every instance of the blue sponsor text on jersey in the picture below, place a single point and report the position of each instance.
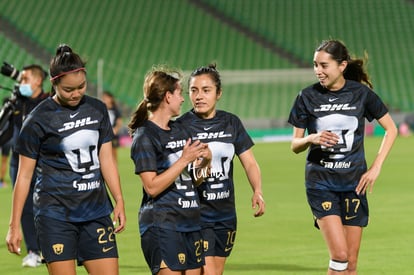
(76, 124)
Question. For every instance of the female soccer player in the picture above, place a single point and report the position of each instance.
(115, 117)
(162, 150)
(67, 139)
(226, 138)
(333, 112)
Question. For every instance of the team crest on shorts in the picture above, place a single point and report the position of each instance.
(58, 248)
(181, 258)
(326, 205)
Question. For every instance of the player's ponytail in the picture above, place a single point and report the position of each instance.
(355, 69)
(138, 117)
(157, 83)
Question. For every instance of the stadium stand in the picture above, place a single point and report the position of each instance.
(263, 48)
(380, 27)
(16, 56)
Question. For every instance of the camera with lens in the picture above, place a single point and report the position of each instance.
(10, 71)
(9, 104)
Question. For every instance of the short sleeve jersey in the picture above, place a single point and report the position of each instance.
(66, 141)
(178, 207)
(226, 137)
(342, 112)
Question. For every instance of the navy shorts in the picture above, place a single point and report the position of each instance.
(352, 208)
(6, 148)
(218, 239)
(175, 250)
(60, 240)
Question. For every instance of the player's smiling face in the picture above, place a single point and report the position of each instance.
(204, 95)
(329, 71)
(70, 89)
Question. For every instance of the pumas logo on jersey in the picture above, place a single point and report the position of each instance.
(334, 107)
(77, 123)
(212, 135)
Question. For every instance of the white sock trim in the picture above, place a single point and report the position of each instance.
(338, 266)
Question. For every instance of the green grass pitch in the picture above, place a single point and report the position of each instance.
(284, 240)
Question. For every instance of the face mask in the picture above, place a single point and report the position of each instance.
(25, 90)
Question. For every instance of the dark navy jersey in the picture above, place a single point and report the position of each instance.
(24, 105)
(66, 141)
(226, 137)
(178, 207)
(344, 113)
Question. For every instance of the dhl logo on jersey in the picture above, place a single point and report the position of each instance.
(334, 107)
(212, 135)
(77, 123)
(175, 144)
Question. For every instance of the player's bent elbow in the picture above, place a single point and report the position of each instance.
(151, 191)
(392, 132)
(296, 149)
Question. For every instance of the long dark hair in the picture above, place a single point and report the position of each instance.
(64, 61)
(158, 81)
(355, 69)
(210, 70)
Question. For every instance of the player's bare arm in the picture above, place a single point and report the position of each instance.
(300, 142)
(369, 177)
(20, 192)
(253, 173)
(155, 184)
(111, 176)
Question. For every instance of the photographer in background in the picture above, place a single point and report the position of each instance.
(30, 95)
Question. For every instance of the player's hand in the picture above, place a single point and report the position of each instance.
(258, 204)
(367, 180)
(194, 150)
(13, 240)
(325, 138)
(201, 167)
(204, 160)
(119, 218)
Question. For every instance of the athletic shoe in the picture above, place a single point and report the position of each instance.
(32, 260)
